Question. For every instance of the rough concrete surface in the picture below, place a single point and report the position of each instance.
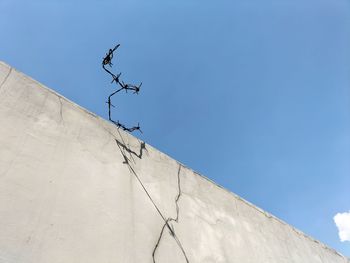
(73, 188)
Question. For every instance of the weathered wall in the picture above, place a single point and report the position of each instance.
(73, 188)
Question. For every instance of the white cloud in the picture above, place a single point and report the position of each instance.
(342, 220)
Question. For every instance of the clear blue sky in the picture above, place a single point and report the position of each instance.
(252, 94)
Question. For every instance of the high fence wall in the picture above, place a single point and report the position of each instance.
(73, 188)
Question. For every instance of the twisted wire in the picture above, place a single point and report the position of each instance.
(107, 61)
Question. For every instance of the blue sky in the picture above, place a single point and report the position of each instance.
(252, 94)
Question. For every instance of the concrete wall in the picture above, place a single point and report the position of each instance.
(73, 188)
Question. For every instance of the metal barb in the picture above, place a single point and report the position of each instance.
(107, 61)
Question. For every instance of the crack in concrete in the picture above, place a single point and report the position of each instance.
(61, 108)
(170, 219)
(123, 148)
(5, 79)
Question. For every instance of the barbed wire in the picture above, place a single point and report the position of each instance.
(107, 61)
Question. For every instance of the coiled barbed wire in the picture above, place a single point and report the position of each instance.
(107, 61)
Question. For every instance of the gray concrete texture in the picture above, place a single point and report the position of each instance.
(74, 188)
